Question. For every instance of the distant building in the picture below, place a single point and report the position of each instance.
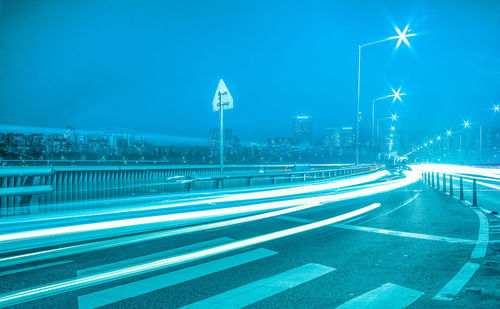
(347, 138)
(278, 142)
(332, 138)
(230, 141)
(303, 130)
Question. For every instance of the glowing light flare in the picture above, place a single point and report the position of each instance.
(403, 35)
(394, 117)
(449, 133)
(393, 128)
(496, 108)
(438, 138)
(397, 95)
(466, 124)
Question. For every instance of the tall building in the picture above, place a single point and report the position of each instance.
(347, 138)
(303, 130)
(229, 139)
(332, 138)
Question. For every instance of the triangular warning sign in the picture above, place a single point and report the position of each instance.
(222, 95)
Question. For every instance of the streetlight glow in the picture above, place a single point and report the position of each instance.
(467, 124)
(393, 128)
(394, 117)
(438, 138)
(397, 95)
(402, 36)
(449, 133)
(496, 108)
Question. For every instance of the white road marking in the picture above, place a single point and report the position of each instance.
(388, 296)
(453, 287)
(406, 234)
(388, 232)
(253, 292)
(483, 238)
(136, 288)
(24, 295)
(154, 256)
(20, 270)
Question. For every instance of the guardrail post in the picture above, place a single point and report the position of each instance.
(432, 175)
(444, 182)
(474, 192)
(437, 180)
(461, 188)
(451, 185)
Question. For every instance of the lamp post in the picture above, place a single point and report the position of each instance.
(396, 96)
(393, 117)
(401, 37)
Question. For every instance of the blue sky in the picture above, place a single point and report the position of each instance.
(153, 66)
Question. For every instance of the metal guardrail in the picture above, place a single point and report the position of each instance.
(428, 178)
(30, 189)
(19, 184)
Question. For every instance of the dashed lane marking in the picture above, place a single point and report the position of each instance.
(453, 287)
(20, 270)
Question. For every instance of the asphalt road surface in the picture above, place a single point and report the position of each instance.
(383, 242)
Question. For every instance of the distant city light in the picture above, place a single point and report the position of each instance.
(467, 124)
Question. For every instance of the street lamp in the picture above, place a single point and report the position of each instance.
(393, 117)
(401, 37)
(396, 95)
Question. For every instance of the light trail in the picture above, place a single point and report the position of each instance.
(263, 193)
(221, 212)
(72, 284)
(411, 177)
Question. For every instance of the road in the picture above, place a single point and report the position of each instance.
(373, 241)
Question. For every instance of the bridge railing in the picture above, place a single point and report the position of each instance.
(445, 182)
(44, 189)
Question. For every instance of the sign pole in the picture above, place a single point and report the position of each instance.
(221, 134)
(222, 100)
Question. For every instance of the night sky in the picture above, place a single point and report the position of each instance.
(153, 66)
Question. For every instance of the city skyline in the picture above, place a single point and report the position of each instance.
(173, 89)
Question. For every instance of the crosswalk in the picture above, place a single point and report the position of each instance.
(388, 295)
(140, 287)
(238, 296)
